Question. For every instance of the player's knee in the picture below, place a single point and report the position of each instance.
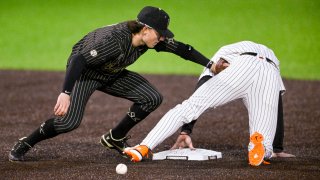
(156, 101)
(151, 103)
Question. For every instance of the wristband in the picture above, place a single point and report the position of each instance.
(209, 65)
(66, 92)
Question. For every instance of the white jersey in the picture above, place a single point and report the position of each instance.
(249, 77)
(230, 52)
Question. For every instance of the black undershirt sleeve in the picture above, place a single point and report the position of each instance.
(183, 50)
(75, 67)
(188, 52)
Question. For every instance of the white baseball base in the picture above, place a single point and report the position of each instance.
(187, 154)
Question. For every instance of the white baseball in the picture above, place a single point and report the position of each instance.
(121, 169)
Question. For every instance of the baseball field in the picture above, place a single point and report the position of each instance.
(37, 37)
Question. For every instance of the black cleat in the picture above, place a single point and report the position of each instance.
(118, 144)
(19, 150)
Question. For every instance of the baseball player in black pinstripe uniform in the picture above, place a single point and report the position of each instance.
(98, 62)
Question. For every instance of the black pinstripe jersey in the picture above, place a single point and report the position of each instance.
(109, 50)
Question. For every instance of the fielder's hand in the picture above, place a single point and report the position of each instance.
(62, 105)
(220, 66)
(184, 140)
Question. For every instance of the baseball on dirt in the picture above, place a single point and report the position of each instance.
(121, 169)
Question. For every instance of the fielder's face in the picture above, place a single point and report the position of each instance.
(151, 37)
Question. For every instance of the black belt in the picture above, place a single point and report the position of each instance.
(255, 54)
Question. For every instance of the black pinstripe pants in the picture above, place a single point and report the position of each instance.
(127, 84)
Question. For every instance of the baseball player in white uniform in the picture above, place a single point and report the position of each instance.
(253, 76)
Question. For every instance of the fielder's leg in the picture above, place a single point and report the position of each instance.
(55, 126)
(146, 98)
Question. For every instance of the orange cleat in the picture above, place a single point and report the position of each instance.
(256, 154)
(266, 162)
(137, 153)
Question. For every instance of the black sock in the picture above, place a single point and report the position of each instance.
(133, 117)
(45, 131)
(278, 138)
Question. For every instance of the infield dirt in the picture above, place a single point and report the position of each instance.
(28, 97)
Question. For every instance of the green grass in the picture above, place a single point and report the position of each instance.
(39, 35)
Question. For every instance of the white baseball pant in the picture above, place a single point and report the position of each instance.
(249, 78)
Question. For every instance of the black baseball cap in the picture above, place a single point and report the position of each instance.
(156, 18)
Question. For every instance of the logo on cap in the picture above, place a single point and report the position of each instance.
(93, 53)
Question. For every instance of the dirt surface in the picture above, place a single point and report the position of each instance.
(27, 100)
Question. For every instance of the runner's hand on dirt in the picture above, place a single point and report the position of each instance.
(282, 155)
(183, 140)
(62, 105)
